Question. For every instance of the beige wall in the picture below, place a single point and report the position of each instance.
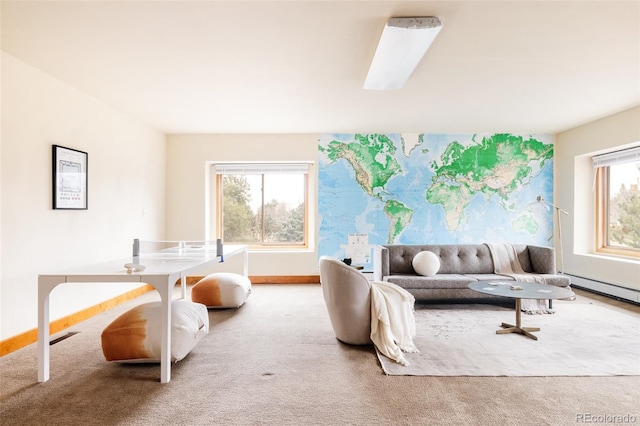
(129, 163)
(188, 159)
(187, 192)
(574, 178)
(126, 176)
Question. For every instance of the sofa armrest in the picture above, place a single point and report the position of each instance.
(543, 259)
(380, 262)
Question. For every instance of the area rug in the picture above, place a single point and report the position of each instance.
(579, 339)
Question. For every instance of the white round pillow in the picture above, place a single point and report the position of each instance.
(426, 263)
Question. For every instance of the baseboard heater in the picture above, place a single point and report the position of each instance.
(606, 289)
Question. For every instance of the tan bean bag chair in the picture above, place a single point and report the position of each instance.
(136, 335)
(222, 290)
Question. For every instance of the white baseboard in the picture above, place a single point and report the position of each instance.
(606, 288)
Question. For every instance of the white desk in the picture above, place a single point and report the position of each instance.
(162, 272)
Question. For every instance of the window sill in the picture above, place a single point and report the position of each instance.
(280, 250)
(613, 257)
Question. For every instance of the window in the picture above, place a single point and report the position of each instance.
(618, 202)
(262, 205)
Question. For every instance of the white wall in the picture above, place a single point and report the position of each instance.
(574, 192)
(126, 169)
(128, 164)
(188, 157)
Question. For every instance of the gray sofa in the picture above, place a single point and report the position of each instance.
(460, 264)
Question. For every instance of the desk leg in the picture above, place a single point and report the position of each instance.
(165, 365)
(43, 335)
(183, 286)
(245, 262)
(45, 285)
(164, 286)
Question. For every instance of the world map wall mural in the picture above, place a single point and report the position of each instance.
(434, 189)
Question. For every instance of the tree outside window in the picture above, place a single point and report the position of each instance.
(265, 209)
(624, 206)
(618, 202)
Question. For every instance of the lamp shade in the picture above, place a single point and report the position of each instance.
(402, 45)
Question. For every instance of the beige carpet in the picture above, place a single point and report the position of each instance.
(276, 361)
(580, 339)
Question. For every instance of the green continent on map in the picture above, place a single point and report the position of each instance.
(399, 215)
(526, 222)
(371, 156)
(498, 165)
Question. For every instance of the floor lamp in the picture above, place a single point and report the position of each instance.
(558, 210)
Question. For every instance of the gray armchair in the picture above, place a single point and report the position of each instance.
(347, 294)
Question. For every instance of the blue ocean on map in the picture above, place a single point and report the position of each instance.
(345, 208)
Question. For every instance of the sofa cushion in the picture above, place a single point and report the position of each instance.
(447, 281)
(489, 277)
(556, 279)
(426, 263)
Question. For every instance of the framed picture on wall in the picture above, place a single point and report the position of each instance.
(69, 178)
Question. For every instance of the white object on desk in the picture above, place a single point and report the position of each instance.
(134, 267)
(162, 271)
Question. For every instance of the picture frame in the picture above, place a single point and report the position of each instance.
(70, 176)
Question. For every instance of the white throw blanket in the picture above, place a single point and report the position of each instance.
(506, 262)
(393, 324)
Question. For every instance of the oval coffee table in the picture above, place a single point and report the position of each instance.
(520, 290)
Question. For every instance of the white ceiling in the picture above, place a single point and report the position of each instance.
(298, 66)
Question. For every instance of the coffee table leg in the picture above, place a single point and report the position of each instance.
(509, 328)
